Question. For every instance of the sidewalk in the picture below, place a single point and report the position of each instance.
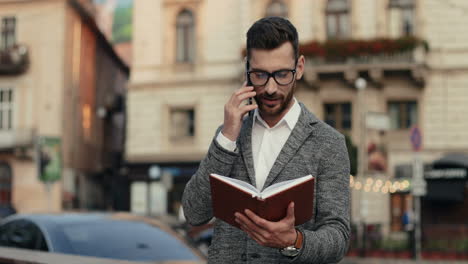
(356, 260)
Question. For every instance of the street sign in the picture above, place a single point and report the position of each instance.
(49, 159)
(416, 138)
(419, 187)
(418, 184)
(377, 121)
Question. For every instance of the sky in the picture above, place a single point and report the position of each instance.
(124, 2)
(120, 3)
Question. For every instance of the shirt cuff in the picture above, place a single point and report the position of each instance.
(226, 143)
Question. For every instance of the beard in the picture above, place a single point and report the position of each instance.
(278, 109)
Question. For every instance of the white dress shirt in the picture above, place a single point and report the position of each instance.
(267, 142)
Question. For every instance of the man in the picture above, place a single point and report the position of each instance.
(282, 140)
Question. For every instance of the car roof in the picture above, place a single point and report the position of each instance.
(53, 223)
(50, 221)
(65, 218)
(69, 218)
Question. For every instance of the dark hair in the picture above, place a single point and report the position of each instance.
(271, 32)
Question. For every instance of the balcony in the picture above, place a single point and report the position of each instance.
(372, 58)
(14, 60)
(16, 138)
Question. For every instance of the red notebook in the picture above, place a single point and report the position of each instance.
(230, 195)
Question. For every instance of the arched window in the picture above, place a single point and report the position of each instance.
(277, 8)
(5, 184)
(337, 15)
(185, 36)
(401, 17)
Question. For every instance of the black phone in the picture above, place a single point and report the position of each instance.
(247, 66)
(249, 83)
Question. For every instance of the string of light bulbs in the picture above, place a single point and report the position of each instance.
(379, 185)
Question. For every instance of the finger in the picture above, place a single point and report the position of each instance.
(237, 100)
(244, 89)
(290, 213)
(246, 108)
(257, 237)
(260, 222)
(244, 220)
(243, 96)
(251, 233)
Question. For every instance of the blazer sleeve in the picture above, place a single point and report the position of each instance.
(196, 199)
(328, 241)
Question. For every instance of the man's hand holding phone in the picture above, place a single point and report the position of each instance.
(234, 111)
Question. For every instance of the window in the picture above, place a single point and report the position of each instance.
(182, 124)
(337, 19)
(401, 204)
(403, 114)
(86, 121)
(277, 8)
(22, 234)
(8, 32)
(6, 109)
(185, 37)
(401, 17)
(338, 115)
(5, 184)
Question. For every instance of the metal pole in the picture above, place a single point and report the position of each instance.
(48, 187)
(419, 190)
(361, 84)
(148, 198)
(417, 227)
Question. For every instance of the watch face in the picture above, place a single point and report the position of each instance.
(290, 251)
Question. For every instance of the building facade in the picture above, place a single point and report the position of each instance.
(187, 59)
(62, 114)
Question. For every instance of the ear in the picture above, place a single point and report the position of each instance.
(300, 67)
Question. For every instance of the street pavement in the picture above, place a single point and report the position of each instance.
(356, 260)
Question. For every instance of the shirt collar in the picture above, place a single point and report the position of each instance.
(291, 117)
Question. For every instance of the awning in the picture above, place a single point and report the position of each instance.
(452, 160)
(446, 177)
(446, 180)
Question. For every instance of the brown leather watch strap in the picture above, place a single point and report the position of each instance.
(299, 239)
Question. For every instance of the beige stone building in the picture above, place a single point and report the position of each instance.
(59, 79)
(187, 58)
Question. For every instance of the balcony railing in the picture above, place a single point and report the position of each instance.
(373, 57)
(14, 60)
(15, 138)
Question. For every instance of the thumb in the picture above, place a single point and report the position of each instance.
(290, 214)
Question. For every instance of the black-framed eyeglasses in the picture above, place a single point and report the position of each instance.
(281, 77)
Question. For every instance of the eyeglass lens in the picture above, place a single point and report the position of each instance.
(260, 78)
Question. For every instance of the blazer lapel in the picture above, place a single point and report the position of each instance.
(245, 148)
(301, 131)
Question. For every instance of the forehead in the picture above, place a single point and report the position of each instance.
(275, 59)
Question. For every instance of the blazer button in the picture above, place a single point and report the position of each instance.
(244, 257)
(255, 255)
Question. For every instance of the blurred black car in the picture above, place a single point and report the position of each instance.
(117, 236)
(6, 210)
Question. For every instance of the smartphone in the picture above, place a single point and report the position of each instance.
(249, 83)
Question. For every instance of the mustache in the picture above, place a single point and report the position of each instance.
(271, 96)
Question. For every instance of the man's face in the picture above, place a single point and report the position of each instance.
(274, 100)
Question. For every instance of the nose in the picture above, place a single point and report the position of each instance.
(271, 86)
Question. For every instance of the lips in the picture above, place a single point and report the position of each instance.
(270, 101)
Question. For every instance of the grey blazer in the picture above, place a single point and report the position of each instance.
(312, 148)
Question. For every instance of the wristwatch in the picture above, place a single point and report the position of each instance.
(293, 250)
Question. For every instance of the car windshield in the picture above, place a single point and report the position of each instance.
(126, 240)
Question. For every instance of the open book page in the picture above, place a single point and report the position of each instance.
(238, 184)
(281, 186)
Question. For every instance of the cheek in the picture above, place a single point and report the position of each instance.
(286, 91)
(258, 91)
